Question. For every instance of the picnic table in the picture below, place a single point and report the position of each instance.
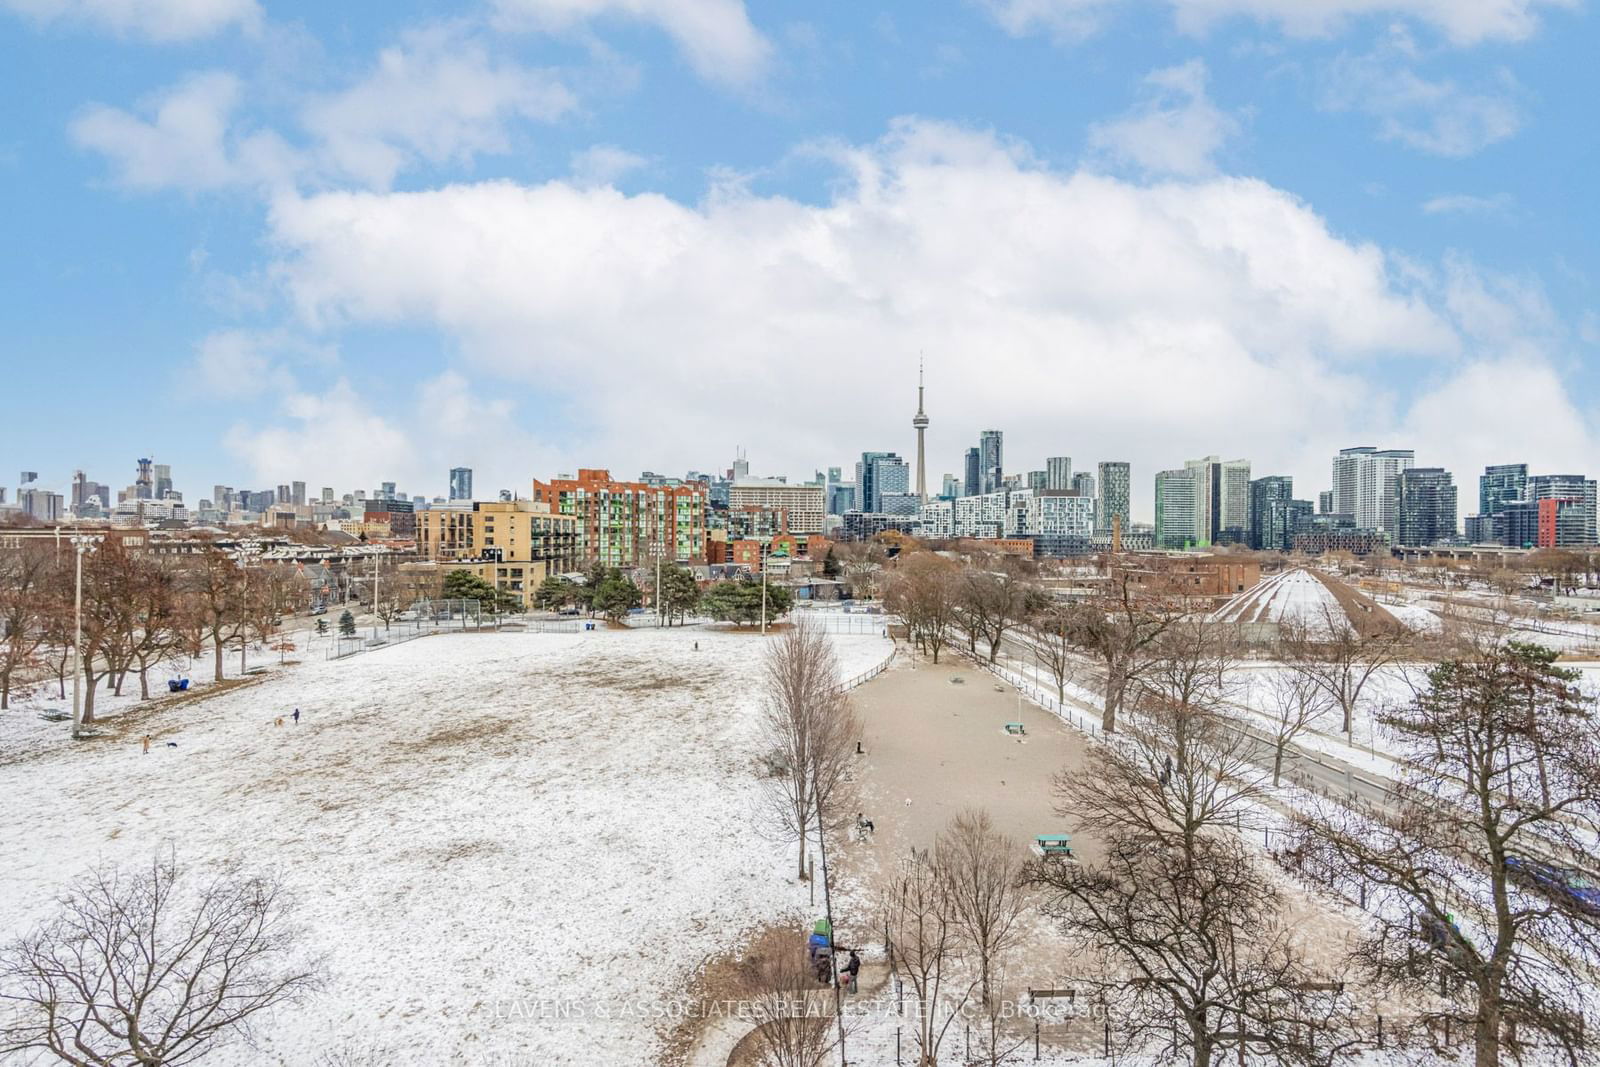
(1015, 728)
(1054, 845)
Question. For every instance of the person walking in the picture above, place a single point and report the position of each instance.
(147, 744)
(852, 969)
(297, 716)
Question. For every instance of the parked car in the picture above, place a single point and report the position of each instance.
(1572, 888)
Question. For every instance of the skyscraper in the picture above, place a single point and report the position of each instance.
(163, 480)
(1113, 497)
(1221, 500)
(1366, 484)
(951, 487)
(973, 483)
(1580, 529)
(297, 493)
(991, 461)
(920, 421)
(1037, 480)
(144, 480)
(1425, 506)
(1269, 512)
(1500, 485)
(877, 474)
(1175, 522)
(1058, 472)
(460, 483)
(1083, 484)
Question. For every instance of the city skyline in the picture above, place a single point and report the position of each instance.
(257, 268)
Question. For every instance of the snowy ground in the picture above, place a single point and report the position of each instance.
(480, 831)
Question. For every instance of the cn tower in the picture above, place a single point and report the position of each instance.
(921, 423)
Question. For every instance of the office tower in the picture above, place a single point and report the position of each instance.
(879, 473)
(1113, 497)
(327, 494)
(1425, 511)
(163, 480)
(1083, 484)
(1577, 525)
(1221, 500)
(741, 465)
(1270, 528)
(26, 478)
(991, 460)
(143, 480)
(920, 422)
(80, 489)
(1058, 472)
(40, 504)
(1500, 485)
(1175, 503)
(284, 495)
(974, 473)
(1366, 484)
(460, 483)
(1038, 480)
(297, 493)
(1325, 502)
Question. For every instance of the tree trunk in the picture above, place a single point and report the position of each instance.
(994, 649)
(218, 677)
(1486, 1035)
(144, 682)
(1277, 766)
(5, 690)
(90, 680)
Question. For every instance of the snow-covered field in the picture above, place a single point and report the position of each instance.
(478, 830)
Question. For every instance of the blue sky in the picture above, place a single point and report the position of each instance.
(350, 243)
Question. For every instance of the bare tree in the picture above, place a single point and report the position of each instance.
(1296, 702)
(215, 585)
(808, 723)
(1184, 763)
(983, 872)
(925, 940)
(994, 598)
(157, 966)
(1196, 951)
(924, 591)
(1341, 659)
(1502, 777)
(27, 596)
(997, 1036)
(794, 1027)
(862, 563)
(1050, 632)
(1117, 628)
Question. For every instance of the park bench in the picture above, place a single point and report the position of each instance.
(1015, 728)
(256, 670)
(1054, 845)
(958, 680)
(55, 715)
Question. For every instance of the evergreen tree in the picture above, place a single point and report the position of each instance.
(347, 624)
(615, 597)
(322, 627)
(740, 602)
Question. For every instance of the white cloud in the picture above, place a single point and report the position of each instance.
(1436, 116)
(235, 363)
(343, 436)
(716, 36)
(1463, 22)
(1151, 323)
(188, 142)
(1466, 204)
(155, 20)
(437, 97)
(1064, 20)
(603, 164)
(1176, 128)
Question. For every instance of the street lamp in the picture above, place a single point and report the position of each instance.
(84, 543)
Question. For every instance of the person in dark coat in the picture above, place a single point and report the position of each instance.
(852, 968)
(297, 715)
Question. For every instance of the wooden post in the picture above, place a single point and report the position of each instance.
(1036, 1037)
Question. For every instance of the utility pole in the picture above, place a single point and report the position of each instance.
(659, 550)
(84, 543)
(763, 563)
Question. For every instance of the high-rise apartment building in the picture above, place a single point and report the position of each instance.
(460, 483)
(1579, 527)
(1270, 519)
(803, 506)
(1114, 494)
(1175, 508)
(1083, 484)
(1325, 502)
(1366, 484)
(625, 524)
(972, 483)
(1425, 506)
(1037, 480)
(991, 460)
(1501, 485)
(1058, 472)
(951, 487)
(1221, 500)
(162, 474)
(297, 493)
(877, 474)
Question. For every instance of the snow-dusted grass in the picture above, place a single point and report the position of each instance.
(477, 829)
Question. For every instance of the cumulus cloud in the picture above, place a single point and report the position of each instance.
(1463, 22)
(1175, 129)
(716, 36)
(155, 20)
(603, 164)
(437, 97)
(236, 363)
(1438, 116)
(188, 141)
(1150, 322)
(350, 440)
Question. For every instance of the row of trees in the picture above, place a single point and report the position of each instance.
(609, 592)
